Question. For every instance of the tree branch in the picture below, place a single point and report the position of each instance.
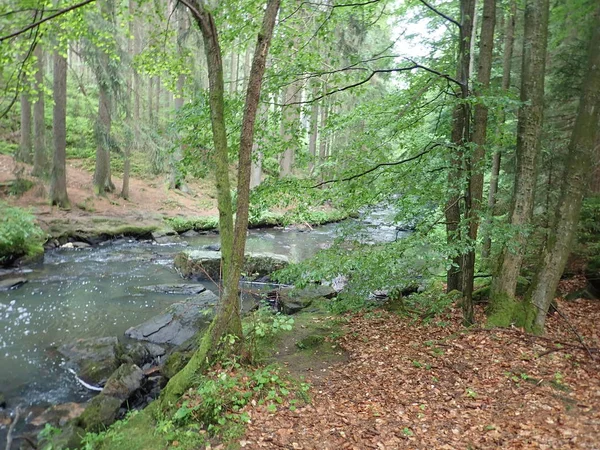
(372, 169)
(41, 21)
(441, 14)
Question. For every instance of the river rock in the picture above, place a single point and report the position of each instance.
(177, 324)
(58, 415)
(12, 283)
(96, 358)
(176, 289)
(102, 410)
(156, 351)
(212, 247)
(291, 301)
(2, 400)
(207, 264)
(190, 233)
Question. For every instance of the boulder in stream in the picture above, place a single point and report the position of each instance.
(178, 323)
(102, 410)
(58, 415)
(96, 358)
(205, 264)
(291, 301)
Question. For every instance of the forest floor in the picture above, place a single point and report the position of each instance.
(149, 201)
(406, 384)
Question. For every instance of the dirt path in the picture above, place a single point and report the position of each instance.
(411, 385)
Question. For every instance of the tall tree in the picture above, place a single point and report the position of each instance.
(39, 123)
(106, 86)
(581, 157)
(509, 39)
(25, 144)
(58, 183)
(529, 128)
(461, 135)
(475, 163)
(227, 321)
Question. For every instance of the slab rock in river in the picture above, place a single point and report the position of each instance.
(291, 301)
(206, 264)
(174, 289)
(177, 324)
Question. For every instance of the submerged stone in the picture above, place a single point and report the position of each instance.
(12, 283)
(175, 289)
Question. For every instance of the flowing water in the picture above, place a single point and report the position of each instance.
(85, 293)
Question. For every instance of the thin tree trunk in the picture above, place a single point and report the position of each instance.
(460, 136)
(256, 172)
(58, 184)
(322, 136)
(528, 148)
(157, 82)
(131, 123)
(476, 163)
(150, 103)
(39, 124)
(25, 144)
(176, 178)
(227, 322)
(580, 159)
(290, 118)
(509, 40)
(314, 130)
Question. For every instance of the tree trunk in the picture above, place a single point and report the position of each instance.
(314, 130)
(476, 163)
(528, 148)
(460, 136)
(39, 124)
(58, 184)
(575, 181)
(227, 322)
(132, 124)
(157, 102)
(25, 144)
(256, 172)
(509, 40)
(322, 136)
(150, 103)
(102, 181)
(290, 121)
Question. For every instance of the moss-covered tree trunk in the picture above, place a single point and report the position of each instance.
(461, 117)
(227, 322)
(476, 162)
(575, 182)
(503, 311)
(58, 184)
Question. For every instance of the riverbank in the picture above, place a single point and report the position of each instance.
(152, 211)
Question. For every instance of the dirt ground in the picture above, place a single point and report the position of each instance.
(149, 200)
(413, 385)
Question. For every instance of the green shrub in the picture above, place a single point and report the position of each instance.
(19, 234)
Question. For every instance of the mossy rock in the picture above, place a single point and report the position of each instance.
(174, 363)
(70, 437)
(310, 341)
(100, 413)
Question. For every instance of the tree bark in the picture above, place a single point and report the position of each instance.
(290, 124)
(582, 149)
(530, 120)
(460, 136)
(58, 183)
(509, 40)
(39, 124)
(314, 130)
(25, 144)
(256, 172)
(476, 163)
(176, 180)
(227, 322)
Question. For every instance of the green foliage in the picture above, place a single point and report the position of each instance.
(19, 234)
(218, 404)
(48, 432)
(261, 327)
(589, 225)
